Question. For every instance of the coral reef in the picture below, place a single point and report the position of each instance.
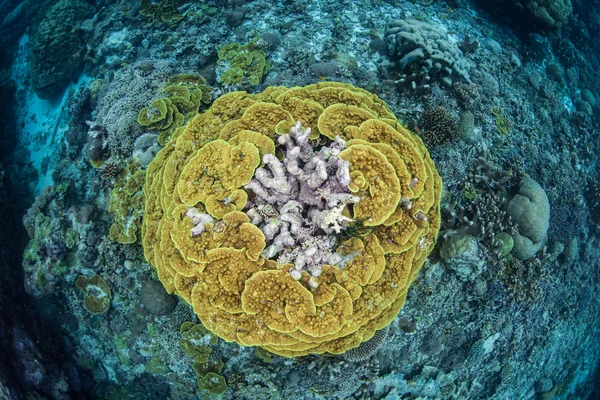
(115, 127)
(206, 249)
(476, 317)
(548, 14)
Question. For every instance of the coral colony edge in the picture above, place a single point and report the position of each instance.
(300, 200)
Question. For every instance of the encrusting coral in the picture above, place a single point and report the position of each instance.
(292, 219)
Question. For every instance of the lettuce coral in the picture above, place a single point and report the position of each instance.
(244, 64)
(97, 293)
(293, 239)
(185, 94)
(126, 203)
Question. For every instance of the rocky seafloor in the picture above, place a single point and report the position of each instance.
(508, 110)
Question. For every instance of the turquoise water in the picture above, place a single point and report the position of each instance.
(300, 199)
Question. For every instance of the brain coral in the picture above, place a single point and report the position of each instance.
(292, 219)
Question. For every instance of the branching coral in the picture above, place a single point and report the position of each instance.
(244, 203)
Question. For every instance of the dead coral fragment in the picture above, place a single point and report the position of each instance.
(97, 293)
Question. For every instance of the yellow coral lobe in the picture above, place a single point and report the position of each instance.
(234, 202)
(380, 198)
(282, 293)
(263, 117)
(402, 142)
(337, 117)
(264, 144)
(217, 169)
(368, 265)
(239, 233)
(198, 233)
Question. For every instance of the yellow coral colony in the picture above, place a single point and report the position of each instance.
(234, 259)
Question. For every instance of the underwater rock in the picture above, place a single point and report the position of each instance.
(156, 300)
(58, 52)
(531, 211)
(145, 148)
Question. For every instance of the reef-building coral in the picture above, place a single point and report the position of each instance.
(548, 14)
(97, 293)
(126, 203)
(419, 51)
(185, 93)
(242, 64)
(58, 53)
(531, 210)
(244, 205)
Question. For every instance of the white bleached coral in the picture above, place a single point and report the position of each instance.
(300, 202)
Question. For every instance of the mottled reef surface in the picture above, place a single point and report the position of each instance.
(503, 93)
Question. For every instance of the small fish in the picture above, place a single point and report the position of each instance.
(322, 78)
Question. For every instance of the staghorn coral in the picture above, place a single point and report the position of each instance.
(481, 207)
(198, 231)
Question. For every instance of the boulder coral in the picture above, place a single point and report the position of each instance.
(244, 204)
(58, 52)
(530, 209)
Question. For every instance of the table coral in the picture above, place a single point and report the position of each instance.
(293, 219)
